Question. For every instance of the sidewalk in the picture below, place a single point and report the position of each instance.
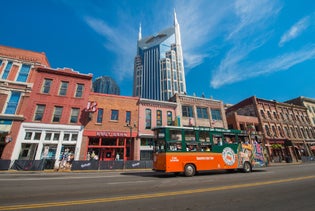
(75, 171)
(284, 163)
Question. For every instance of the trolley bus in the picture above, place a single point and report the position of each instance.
(193, 149)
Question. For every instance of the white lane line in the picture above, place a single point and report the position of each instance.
(129, 182)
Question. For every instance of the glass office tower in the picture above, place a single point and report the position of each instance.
(106, 85)
(159, 66)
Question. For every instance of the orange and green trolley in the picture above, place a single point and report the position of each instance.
(189, 150)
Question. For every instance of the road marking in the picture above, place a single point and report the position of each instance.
(129, 182)
(153, 195)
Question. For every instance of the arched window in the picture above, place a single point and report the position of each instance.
(267, 130)
(169, 118)
(158, 118)
(147, 118)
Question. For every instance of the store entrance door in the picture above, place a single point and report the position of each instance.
(107, 154)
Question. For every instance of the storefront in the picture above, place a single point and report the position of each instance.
(3, 141)
(109, 145)
(281, 151)
(38, 141)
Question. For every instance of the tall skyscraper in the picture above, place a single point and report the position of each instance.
(159, 66)
(106, 85)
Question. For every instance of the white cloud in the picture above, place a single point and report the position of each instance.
(235, 71)
(252, 15)
(117, 42)
(200, 24)
(295, 30)
(249, 33)
(286, 61)
(233, 68)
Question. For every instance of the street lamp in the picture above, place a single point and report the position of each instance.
(130, 134)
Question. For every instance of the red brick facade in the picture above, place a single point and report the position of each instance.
(285, 129)
(110, 135)
(11, 63)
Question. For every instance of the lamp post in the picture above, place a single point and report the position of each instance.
(131, 127)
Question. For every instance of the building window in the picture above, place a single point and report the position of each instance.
(297, 118)
(128, 117)
(7, 70)
(99, 118)
(262, 113)
(28, 135)
(202, 113)
(63, 88)
(274, 131)
(13, 103)
(169, 118)
(281, 116)
(267, 130)
(147, 118)
(216, 114)
(280, 131)
(48, 136)
(46, 86)
(79, 90)
(298, 132)
(37, 135)
(74, 137)
(24, 71)
(187, 111)
(114, 115)
(39, 113)
(57, 114)
(286, 134)
(158, 118)
(56, 136)
(74, 115)
(66, 136)
(293, 132)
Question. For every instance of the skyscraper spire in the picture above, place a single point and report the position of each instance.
(140, 33)
(177, 30)
(175, 18)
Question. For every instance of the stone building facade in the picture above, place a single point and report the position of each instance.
(198, 111)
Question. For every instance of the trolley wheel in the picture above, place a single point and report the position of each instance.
(189, 170)
(247, 167)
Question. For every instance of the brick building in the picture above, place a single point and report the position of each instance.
(53, 114)
(309, 103)
(16, 68)
(285, 129)
(112, 128)
(153, 113)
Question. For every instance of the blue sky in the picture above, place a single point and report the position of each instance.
(232, 49)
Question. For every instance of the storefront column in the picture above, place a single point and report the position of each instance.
(125, 149)
(306, 147)
(39, 150)
(58, 153)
